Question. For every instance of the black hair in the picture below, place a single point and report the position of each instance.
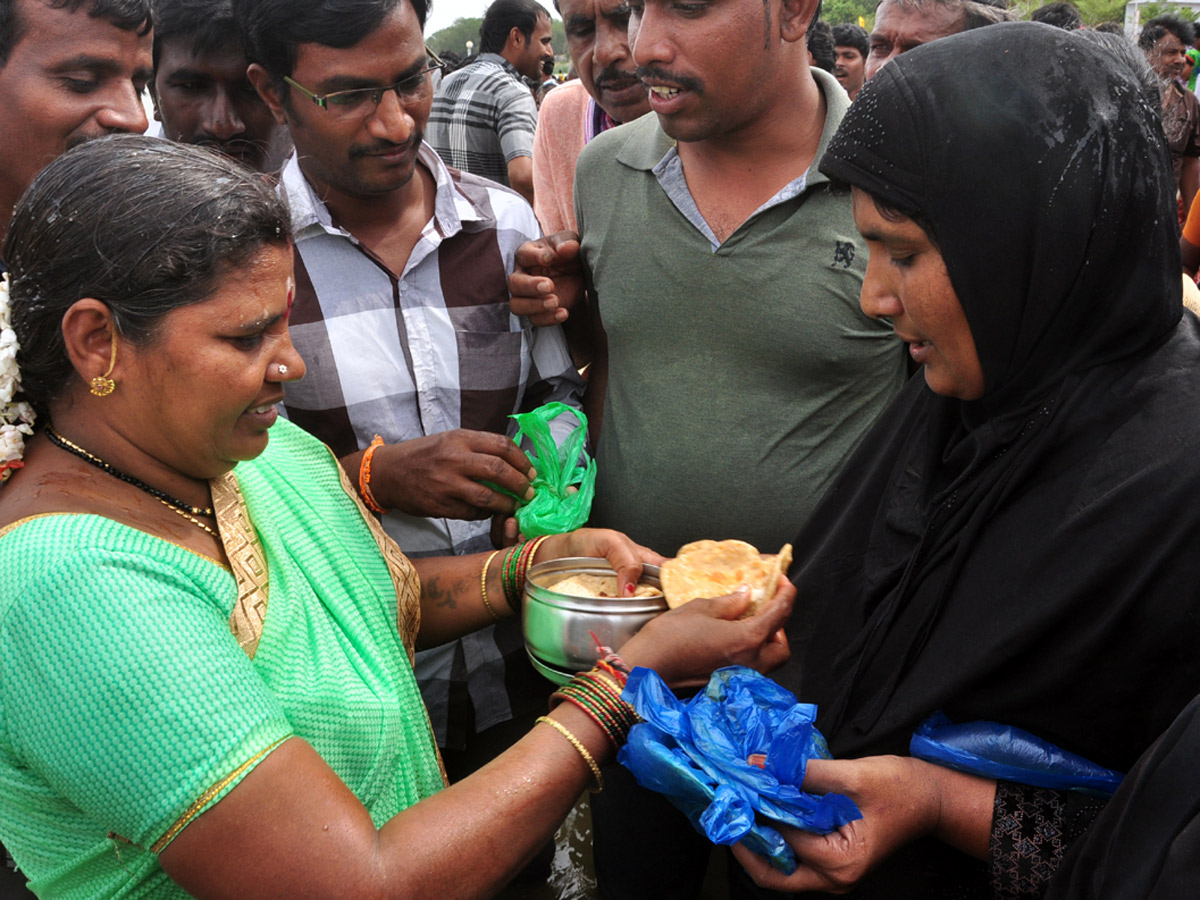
(208, 23)
(820, 45)
(852, 36)
(141, 224)
(1159, 26)
(1115, 28)
(502, 16)
(453, 60)
(892, 213)
(1061, 15)
(128, 15)
(272, 29)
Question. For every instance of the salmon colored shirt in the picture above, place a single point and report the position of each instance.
(560, 135)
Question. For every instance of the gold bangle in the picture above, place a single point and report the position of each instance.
(483, 585)
(578, 745)
(537, 542)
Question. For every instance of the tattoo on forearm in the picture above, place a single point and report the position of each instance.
(439, 595)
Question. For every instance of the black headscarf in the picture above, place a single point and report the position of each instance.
(1037, 160)
(1031, 557)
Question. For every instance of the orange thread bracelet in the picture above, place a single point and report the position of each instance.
(364, 477)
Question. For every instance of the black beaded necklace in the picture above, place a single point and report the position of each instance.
(186, 510)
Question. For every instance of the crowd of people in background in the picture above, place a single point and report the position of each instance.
(706, 236)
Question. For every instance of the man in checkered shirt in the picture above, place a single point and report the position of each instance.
(401, 313)
(484, 115)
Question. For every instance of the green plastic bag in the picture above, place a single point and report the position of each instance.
(554, 508)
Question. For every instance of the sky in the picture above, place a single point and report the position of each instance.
(444, 12)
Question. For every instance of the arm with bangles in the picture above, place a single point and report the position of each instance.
(461, 594)
(292, 829)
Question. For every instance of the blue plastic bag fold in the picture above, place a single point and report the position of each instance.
(696, 754)
(1003, 752)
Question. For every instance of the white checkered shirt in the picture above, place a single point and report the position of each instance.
(432, 350)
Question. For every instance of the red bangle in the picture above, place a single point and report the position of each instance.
(526, 559)
(512, 593)
(364, 477)
(601, 699)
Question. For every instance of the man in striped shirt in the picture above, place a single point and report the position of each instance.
(484, 115)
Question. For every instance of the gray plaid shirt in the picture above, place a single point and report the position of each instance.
(483, 116)
(432, 349)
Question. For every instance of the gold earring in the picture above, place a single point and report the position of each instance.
(102, 385)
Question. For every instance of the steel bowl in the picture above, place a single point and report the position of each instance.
(559, 628)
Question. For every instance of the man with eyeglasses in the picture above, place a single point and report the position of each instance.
(484, 116)
(401, 312)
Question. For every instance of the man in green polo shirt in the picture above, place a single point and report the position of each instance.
(733, 366)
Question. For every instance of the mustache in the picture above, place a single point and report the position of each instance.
(236, 145)
(609, 77)
(77, 139)
(657, 73)
(381, 147)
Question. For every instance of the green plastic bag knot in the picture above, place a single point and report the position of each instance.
(566, 476)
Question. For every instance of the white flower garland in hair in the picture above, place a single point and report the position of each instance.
(16, 419)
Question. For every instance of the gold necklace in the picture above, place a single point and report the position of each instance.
(176, 506)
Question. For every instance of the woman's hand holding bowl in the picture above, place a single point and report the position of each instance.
(686, 644)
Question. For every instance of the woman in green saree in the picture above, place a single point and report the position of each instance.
(205, 638)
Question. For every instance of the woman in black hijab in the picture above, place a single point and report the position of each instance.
(1017, 538)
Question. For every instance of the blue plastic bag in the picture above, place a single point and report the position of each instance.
(1011, 754)
(696, 754)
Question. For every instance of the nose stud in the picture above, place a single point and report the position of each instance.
(282, 369)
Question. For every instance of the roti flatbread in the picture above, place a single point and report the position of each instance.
(585, 585)
(717, 568)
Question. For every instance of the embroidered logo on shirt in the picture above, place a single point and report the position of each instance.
(843, 254)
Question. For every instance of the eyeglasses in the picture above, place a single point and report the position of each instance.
(362, 102)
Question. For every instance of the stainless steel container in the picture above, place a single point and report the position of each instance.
(559, 628)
